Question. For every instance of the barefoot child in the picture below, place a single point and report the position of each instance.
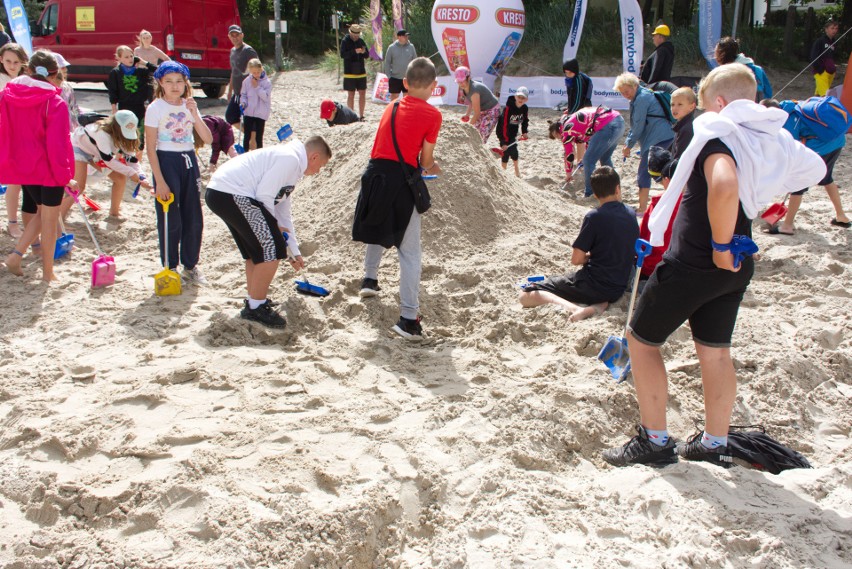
(604, 249)
(252, 194)
(13, 60)
(256, 104)
(113, 142)
(513, 117)
(35, 152)
(169, 122)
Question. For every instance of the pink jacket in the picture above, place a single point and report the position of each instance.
(580, 127)
(35, 141)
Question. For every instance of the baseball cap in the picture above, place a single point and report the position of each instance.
(235, 28)
(523, 92)
(402, 33)
(662, 30)
(128, 123)
(61, 61)
(461, 74)
(355, 29)
(327, 108)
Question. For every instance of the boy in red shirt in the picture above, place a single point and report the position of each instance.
(385, 215)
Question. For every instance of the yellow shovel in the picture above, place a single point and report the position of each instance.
(166, 282)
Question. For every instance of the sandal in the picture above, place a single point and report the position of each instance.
(776, 230)
(843, 224)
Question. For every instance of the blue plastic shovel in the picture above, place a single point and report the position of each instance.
(614, 352)
(2, 189)
(64, 243)
(239, 147)
(284, 132)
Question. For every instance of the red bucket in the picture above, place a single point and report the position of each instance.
(774, 213)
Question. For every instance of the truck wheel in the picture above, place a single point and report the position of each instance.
(213, 90)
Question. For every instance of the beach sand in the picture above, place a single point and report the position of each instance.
(139, 431)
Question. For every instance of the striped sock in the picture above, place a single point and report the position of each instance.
(709, 441)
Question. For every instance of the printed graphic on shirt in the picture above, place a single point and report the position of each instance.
(284, 192)
(131, 83)
(176, 127)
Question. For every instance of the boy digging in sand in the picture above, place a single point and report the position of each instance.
(604, 250)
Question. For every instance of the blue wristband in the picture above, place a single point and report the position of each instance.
(720, 247)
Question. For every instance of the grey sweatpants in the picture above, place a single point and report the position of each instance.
(409, 267)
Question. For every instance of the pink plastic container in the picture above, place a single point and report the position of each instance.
(103, 271)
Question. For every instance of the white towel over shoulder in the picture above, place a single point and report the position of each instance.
(769, 161)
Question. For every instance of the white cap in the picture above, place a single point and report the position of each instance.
(523, 92)
(61, 61)
(128, 123)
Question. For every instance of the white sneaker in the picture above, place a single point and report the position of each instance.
(194, 275)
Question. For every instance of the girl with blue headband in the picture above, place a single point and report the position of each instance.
(169, 122)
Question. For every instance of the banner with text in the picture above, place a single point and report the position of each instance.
(18, 24)
(632, 38)
(573, 43)
(376, 22)
(709, 29)
(547, 92)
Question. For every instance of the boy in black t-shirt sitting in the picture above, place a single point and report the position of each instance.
(335, 113)
(605, 251)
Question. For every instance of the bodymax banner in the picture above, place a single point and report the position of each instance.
(573, 43)
(632, 38)
(709, 29)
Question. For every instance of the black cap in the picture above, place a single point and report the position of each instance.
(235, 28)
(401, 33)
(658, 159)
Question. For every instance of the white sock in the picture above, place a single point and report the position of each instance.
(255, 303)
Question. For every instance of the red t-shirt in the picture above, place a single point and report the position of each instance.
(416, 121)
(653, 259)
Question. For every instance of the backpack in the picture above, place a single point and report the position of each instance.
(764, 87)
(826, 116)
(756, 449)
(664, 99)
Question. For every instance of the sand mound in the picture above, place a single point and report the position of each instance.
(146, 432)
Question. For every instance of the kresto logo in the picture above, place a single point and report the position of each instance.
(511, 18)
(456, 14)
(439, 91)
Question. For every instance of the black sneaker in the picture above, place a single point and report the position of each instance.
(409, 329)
(692, 449)
(369, 288)
(269, 301)
(263, 314)
(640, 450)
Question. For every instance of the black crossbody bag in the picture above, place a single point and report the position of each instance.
(422, 199)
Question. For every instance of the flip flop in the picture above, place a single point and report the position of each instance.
(844, 224)
(776, 230)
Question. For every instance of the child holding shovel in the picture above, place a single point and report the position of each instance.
(169, 122)
(604, 251)
(252, 195)
(514, 117)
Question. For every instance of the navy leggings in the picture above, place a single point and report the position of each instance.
(180, 171)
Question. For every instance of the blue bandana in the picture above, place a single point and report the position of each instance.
(128, 70)
(171, 67)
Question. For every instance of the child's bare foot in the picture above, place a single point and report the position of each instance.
(13, 263)
(14, 229)
(49, 277)
(588, 311)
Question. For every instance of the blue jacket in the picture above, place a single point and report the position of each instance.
(649, 125)
(798, 127)
(764, 87)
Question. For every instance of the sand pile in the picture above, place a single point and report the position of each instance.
(146, 432)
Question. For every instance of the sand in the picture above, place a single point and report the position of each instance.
(146, 432)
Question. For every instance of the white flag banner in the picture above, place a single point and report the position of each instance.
(547, 92)
(632, 38)
(573, 43)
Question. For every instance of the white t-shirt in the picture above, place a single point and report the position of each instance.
(174, 124)
(267, 175)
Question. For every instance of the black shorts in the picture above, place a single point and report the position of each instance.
(350, 84)
(709, 300)
(49, 196)
(396, 86)
(569, 287)
(830, 159)
(255, 230)
(511, 152)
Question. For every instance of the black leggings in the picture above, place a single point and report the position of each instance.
(34, 196)
(253, 124)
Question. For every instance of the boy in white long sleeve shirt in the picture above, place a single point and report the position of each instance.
(252, 195)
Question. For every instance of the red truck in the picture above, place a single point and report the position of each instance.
(193, 32)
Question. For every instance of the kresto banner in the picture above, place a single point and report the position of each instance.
(632, 36)
(709, 29)
(573, 43)
(18, 24)
(479, 34)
